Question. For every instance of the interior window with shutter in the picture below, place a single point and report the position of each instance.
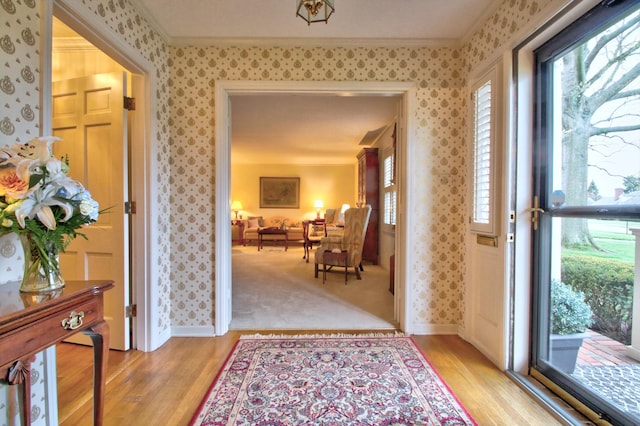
(483, 198)
(389, 189)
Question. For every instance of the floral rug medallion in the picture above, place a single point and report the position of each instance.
(329, 380)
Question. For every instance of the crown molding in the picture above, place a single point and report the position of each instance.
(481, 21)
(144, 11)
(313, 42)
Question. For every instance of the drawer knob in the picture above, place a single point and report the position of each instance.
(74, 321)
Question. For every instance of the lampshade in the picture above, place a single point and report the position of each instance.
(344, 208)
(318, 205)
(314, 11)
(236, 205)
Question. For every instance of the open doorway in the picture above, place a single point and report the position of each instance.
(223, 304)
(315, 138)
(89, 118)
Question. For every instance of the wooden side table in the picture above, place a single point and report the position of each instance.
(310, 234)
(330, 256)
(240, 224)
(30, 323)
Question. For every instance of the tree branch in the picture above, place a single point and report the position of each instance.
(604, 39)
(595, 131)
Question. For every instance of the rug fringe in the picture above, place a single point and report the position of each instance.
(320, 335)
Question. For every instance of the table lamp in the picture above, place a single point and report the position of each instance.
(318, 205)
(236, 206)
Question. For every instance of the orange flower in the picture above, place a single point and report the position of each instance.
(11, 185)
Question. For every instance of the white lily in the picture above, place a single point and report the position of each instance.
(54, 168)
(37, 148)
(39, 204)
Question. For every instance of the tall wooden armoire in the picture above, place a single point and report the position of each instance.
(368, 183)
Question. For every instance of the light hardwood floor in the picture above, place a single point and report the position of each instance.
(165, 387)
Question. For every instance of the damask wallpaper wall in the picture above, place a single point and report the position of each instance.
(19, 122)
(440, 74)
(185, 159)
(183, 139)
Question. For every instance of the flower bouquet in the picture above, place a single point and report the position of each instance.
(44, 207)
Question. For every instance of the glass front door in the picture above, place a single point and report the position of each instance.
(587, 211)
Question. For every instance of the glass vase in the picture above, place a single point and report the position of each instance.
(41, 267)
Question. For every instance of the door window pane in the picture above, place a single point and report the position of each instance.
(594, 114)
(588, 183)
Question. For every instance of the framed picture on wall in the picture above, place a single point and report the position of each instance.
(279, 192)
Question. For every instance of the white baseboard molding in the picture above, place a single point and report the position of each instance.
(157, 340)
(197, 331)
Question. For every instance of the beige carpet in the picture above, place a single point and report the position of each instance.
(274, 289)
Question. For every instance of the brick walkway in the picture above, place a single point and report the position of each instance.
(600, 350)
(604, 367)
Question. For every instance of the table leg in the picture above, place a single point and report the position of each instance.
(286, 242)
(345, 271)
(26, 396)
(99, 335)
(324, 266)
(19, 373)
(259, 241)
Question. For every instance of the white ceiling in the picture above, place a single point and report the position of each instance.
(369, 19)
(305, 129)
(322, 129)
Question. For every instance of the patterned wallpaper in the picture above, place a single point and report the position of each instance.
(19, 122)
(439, 146)
(499, 30)
(185, 137)
(440, 74)
(19, 99)
(19, 75)
(184, 141)
(128, 25)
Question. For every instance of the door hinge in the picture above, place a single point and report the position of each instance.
(131, 311)
(129, 207)
(129, 103)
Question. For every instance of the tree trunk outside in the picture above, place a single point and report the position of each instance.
(576, 120)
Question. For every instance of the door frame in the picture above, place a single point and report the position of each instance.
(142, 158)
(404, 277)
(520, 142)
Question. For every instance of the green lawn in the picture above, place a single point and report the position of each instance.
(616, 244)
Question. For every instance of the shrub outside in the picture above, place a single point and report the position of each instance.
(570, 313)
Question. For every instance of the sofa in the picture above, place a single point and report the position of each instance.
(255, 223)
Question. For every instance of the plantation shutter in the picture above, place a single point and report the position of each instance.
(483, 202)
(389, 190)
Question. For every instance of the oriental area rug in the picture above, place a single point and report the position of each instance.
(329, 380)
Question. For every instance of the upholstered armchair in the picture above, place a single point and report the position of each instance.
(350, 242)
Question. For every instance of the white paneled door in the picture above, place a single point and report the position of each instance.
(89, 117)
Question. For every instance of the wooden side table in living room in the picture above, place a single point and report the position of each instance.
(240, 224)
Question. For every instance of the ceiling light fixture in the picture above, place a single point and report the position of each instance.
(314, 11)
